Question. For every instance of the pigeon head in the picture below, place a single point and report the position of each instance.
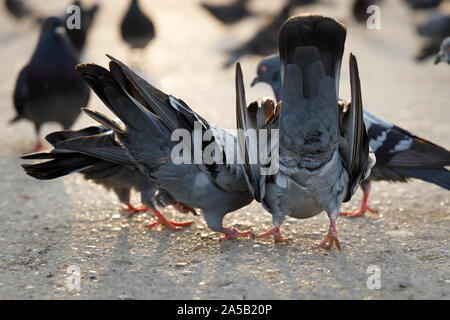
(444, 53)
(268, 71)
(52, 26)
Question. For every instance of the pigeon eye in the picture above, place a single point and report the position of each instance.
(263, 69)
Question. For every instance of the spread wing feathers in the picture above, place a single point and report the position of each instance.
(59, 164)
(355, 150)
(258, 115)
(58, 136)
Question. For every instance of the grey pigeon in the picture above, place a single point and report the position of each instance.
(444, 53)
(420, 158)
(228, 13)
(94, 153)
(264, 42)
(323, 150)
(48, 88)
(434, 30)
(149, 118)
(78, 37)
(137, 29)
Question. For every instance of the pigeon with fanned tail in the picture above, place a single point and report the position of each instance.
(426, 161)
(94, 153)
(323, 150)
(229, 13)
(264, 42)
(48, 88)
(150, 118)
(137, 29)
(78, 37)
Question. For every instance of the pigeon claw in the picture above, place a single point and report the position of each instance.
(328, 241)
(134, 209)
(233, 234)
(275, 231)
(38, 146)
(360, 212)
(175, 226)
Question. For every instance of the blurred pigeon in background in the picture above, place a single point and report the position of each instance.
(149, 119)
(136, 28)
(18, 9)
(444, 53)
(48, 88)
(265, 40)
(323, 150)
(420, 158)
(435, 30)
(229, 13)
(94, 153)
(78, 37)
(423, 4)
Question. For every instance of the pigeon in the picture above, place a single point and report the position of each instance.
(323, 151)
(137, 29)
(265, 40)
(230, 13)
(425, 160)
(94, 153)
(423, 4)
(48, 88)
(78, 37)
(18, 9)
(216, 184)
(444, 53)
(435, 30)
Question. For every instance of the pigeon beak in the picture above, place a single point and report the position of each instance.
(60, 30)
(255, 81)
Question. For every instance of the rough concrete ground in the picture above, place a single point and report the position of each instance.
(48, 226)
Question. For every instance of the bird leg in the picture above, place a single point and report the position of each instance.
(275, 231)
(133, 209)
(38, 146)
(182, 208)
(364, 205)
(332, 235)
(233, 234)
(165, 222)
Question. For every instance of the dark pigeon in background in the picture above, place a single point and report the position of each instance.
(94, 153)
(435, 30)
(137, 29)
(78, 37)
(423, 4)
(149, 117)
(323, 150)
(48, 87)
(264, 42)
(421, 159)
(444, 53)
(229, 13)
(18, 9)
